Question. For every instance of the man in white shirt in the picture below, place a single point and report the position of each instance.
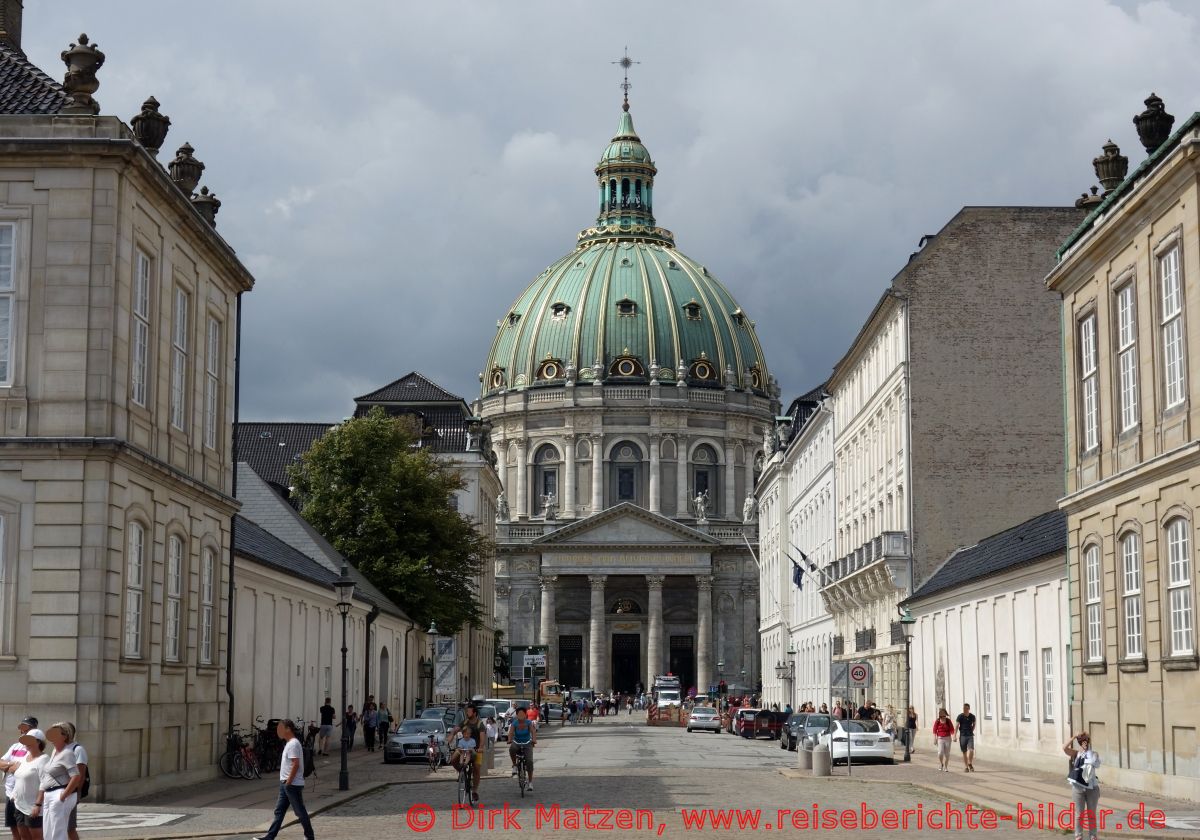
(291, 782)
(9, 764)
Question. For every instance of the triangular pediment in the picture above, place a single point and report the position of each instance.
(626, 524)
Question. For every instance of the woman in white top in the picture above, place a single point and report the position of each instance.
(1085, 784)
(59, 782)
(25, 791)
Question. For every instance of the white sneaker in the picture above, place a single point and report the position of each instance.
(529, 786)
(514, 773)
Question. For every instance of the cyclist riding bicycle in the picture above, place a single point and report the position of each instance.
(466, 748)
(476, 726)
(522, 738)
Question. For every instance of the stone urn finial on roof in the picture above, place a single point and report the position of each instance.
(1111, 167)
(185, 169)
(208, 204)
(150, 127)
(83, 60)
(1153, 124)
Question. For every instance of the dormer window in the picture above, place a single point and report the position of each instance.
(692, 310)
(703, 370)
(626, 308)
(497, 378)
(626, 366)
(560, 311)
(673, 265)
(739, 317)
(550, 369)
(513, 317)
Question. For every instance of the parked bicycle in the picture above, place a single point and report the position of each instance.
(433, 753)
(239, 759)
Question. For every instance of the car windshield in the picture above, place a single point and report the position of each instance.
(486, 712)
(861, 726)
(704, 712)
(433, 713)
(521, 704)
(410, 727)
(501, 706)
(816, 722)
(798, 718)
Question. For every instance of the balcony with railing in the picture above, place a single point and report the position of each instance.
(875, 568)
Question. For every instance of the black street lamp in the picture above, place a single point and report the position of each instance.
(433, 634)
(907, 625)
(344, 587)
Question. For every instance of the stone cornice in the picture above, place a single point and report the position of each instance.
(1168, 463)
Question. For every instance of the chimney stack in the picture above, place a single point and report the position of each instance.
(10, 23)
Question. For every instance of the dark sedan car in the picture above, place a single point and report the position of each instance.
(803, 725)
(408, 743)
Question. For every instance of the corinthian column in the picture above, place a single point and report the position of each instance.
(655, 469)
(598, 631)
(568, 490)
(597, 473)
(681, 479)
(522, 500)
(703, 632)
(548, 632)
(654, 651)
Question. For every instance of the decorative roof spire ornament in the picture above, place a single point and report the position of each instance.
(82, 60)
(1153, 124)
(185, 169)
(1111, 167)
(626, 62)
(150, 127)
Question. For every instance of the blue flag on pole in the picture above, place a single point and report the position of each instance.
(797, 575)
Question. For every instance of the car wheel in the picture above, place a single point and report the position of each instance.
(689, 729)
(782, 744)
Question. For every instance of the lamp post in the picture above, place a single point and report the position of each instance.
(433, 633)
(907, 625)
(344, 587)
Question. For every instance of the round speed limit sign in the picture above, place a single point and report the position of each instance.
(858, 673)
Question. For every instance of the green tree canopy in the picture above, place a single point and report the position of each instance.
(384, 503)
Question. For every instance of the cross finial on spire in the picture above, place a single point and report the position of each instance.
(626, 62)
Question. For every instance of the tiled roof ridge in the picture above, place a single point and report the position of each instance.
(444, 394)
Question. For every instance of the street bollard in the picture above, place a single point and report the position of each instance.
(822, 761)
(804, 756)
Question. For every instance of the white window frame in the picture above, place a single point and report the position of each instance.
(1026, 685)
(1181, 623)
(1048, 685)
(1093, 593)
(212, 382)
(139, 355)
(1174, 362)
(179, 358)
(1127, 356)
(1005, 687)
(208, 574)
(135, 589)
(173, 603)
(8, 298)
(986, 669)
(1131, 596)
(1089, 384)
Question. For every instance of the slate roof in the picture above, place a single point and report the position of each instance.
(24, 89)
(410, 388)
(259, 544)
(270, 448)
(1022, 545)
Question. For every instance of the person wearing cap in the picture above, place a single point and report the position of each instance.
(60, 779)
(8, 765)
(28, 776)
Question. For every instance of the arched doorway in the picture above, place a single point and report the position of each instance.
(385, 675)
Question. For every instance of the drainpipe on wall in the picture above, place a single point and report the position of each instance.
(407, 668)
(371, 616)
(237, 396)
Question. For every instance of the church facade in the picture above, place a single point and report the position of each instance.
(629, 400)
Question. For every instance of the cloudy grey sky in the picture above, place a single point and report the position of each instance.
(394, 173)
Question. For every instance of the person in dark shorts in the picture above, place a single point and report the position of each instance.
(327, 715)
(965, 726)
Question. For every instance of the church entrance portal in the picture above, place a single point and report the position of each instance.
(683, 662)
(626, 661)
(570, 661)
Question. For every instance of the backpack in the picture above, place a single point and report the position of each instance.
(87, 784)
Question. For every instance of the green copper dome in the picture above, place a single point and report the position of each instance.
(625, 307)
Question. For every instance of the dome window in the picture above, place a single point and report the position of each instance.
(739, 317)
(756, 378)
(550, 370)
(559, 311)
(513, 317)
(626, 366)
(626, 308)
(496, 380)
(671, 264)
(692, 310)
(703, 370)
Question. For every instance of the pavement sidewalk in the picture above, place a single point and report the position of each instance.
(1006, 788)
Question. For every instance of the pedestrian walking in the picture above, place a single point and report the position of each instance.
(26, 776)
(8, 765)
(328, 713)
(370, 724)
(889, 721)
(349, 724)
(385, 723)
(1085, 784)
(81, 761)
(59, 782)
(965, 725)
(943, 731)
(291, 783)
(910, 726)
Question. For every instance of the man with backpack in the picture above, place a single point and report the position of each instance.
(292, 771)
(81, 761)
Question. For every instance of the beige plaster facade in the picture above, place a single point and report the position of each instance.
(1130, 287)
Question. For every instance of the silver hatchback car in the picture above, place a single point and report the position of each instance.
(704, 717)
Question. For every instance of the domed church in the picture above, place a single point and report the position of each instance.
(630, 403)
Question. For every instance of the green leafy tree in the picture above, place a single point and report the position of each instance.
(384, 502)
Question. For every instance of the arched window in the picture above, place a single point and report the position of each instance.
(1093, 604)
(1131, 594)
(208, 573)
(135, 589)
(626, 478)
(705, 475)
(1179, 588)
(173, 606)
(546, 477)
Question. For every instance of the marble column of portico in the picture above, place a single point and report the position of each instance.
(655, 469)
(654, 639)
(703, 632)
(597, 473)
(568, 490)
(521, 508)
(730, 505)
(548, 632)
(681, 478)
(598, 631)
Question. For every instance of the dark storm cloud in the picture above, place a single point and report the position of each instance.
(395, 173)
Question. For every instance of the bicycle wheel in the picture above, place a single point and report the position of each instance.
(249, 765)
(521, 778)
(464, 787)
(228, 762)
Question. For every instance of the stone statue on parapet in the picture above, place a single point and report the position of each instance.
(749, 508)
(700, 508)
(502, 507)
(548, 501)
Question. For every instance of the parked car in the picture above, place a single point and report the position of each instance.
(487, 710)
(803, 725)
(861, 740)
(706, 718)
(743, 722)
(408, 743)
(504, 709)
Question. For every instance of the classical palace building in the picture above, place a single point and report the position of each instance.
(629, 399)
(1128, 278)
(943, 432)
